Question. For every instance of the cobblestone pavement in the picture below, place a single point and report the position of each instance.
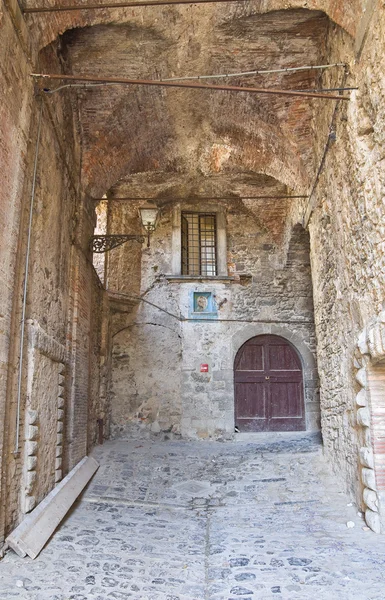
(173, 520)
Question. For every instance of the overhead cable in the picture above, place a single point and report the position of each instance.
(256, 72)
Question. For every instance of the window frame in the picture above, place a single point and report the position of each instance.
(221, 239)
(199, 249)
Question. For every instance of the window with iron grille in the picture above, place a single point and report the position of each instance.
(199, 246)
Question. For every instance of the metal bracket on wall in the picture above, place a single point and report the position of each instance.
(104, 243)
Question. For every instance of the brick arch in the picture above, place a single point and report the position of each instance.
(346, 14)
(266, 153)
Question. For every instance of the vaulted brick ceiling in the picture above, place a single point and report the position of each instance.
(198, 141)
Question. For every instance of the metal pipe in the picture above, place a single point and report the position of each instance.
(25, 287)
(210, 198)
(72, 7)
(88, 86)
(152, 82)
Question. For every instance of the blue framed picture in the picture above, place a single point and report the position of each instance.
(202, 305)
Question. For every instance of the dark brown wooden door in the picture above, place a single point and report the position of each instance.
(268, 386)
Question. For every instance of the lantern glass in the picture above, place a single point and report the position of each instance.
(149, 217)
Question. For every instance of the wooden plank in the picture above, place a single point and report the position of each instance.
(33, 533)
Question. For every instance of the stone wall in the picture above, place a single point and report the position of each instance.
(18, 118)
(57, 365)
(347, 241)
(156, 377)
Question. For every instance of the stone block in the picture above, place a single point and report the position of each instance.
(31, 463)
(371, 499)
(32, 432)
(29, 504)
(369, 478)
(31, 448)
(32, 417)
(373, 520)
(362, 343)
(367, 458)
(30, 481)
(361, 398)
(361, 377)
(313, 421)
(363, 417)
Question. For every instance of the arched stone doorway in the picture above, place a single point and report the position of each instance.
(268, 386)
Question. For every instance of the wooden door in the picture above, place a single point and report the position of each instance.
(268, 386)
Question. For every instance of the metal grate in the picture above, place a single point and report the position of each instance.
(199, 248)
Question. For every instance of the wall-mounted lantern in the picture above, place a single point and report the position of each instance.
(104, 243)
(149, 215)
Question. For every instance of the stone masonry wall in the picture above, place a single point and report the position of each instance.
(347, 240)
(16, 110)
(156, 378)
(59, 264)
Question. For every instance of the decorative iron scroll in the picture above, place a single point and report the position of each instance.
(104, 243)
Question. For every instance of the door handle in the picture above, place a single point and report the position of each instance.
(266, 377)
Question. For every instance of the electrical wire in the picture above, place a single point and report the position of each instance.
(220, 76)
(182, 319)
(257, 72)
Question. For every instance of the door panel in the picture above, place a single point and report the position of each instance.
(268, 386)
(251, 359)
(252, 401)
(282, 358)
(284, 400)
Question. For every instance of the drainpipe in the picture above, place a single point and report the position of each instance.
(25, 287)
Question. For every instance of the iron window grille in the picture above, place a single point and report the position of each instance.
(199, 244)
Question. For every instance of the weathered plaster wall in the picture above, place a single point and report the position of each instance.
(156, 378)
(347, 240)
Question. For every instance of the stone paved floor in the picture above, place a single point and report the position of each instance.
(251, 520)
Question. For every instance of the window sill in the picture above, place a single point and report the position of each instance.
(200, 278)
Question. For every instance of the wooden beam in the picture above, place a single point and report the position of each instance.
(35, 530)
